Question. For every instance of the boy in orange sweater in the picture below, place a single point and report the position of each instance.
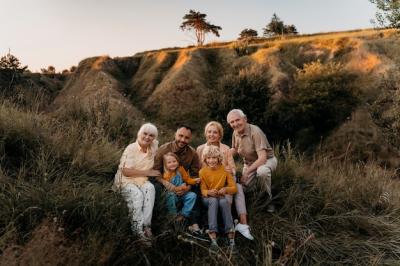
(215, 184)
(177, 175)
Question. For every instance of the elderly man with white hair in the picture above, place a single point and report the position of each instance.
(250, 142)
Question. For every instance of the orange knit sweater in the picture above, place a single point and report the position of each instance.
(216, 179)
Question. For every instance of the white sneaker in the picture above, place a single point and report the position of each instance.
(244, 230)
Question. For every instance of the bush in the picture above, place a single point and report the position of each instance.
(323, 95)
(247, 90)
(243, 48)
(386, 108)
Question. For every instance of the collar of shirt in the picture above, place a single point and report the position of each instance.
(140, 149)
(245, 133)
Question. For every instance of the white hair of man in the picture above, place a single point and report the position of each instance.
(148, 128)
(236, 111)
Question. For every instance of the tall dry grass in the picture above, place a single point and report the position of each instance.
(327, 212)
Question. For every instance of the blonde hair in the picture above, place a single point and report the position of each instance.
(169, 154)
(212, 151)
(217, 125)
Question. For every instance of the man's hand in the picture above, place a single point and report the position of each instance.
(212, 193)
(244, 177)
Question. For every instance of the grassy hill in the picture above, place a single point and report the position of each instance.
(329, 102)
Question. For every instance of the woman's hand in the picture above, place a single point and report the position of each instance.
(212, 193)
(154, 173)
(244, 177)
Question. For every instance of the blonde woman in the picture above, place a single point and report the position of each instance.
(214, 132)
(131, 180)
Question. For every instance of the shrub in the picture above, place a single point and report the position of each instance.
(386, 107)
(323, 95)
(247, 90)
(242, 47)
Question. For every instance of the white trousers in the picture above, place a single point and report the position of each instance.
(140, 201)
(261, 179)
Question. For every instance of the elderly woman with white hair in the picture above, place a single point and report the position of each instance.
(131, 179)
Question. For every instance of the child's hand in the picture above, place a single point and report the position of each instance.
(185, 187)
(179, 191)
(212, 193)
(222, 191)
(197, 180)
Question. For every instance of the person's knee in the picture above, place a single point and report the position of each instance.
(223, 203)
(131, 192)
(264, 172)
(191, 196)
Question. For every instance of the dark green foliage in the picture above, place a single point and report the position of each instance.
(386, 108)
(10, 71)
(248, 90)
(248, 34)
(322, 96)
(277, 27)
(388, 15)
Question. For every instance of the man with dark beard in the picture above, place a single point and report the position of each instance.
(190, 161)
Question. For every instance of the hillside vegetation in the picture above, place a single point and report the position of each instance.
(330, 103)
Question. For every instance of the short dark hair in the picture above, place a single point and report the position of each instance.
(185, 126)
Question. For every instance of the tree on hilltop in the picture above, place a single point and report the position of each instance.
(10, 69)
(197, 21)
(247, 34)
(50, 71)
(277, 27)
(291, 29)
(388, 15)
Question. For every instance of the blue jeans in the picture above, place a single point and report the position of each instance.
(188, 199)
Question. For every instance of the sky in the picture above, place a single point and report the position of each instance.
(61, 33)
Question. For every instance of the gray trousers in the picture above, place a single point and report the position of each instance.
(261, 179)
(213, 204)
(240, 200)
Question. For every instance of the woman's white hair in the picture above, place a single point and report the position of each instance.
(148, 128)
(236, 111)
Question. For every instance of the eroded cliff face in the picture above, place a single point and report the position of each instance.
(176, 86)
